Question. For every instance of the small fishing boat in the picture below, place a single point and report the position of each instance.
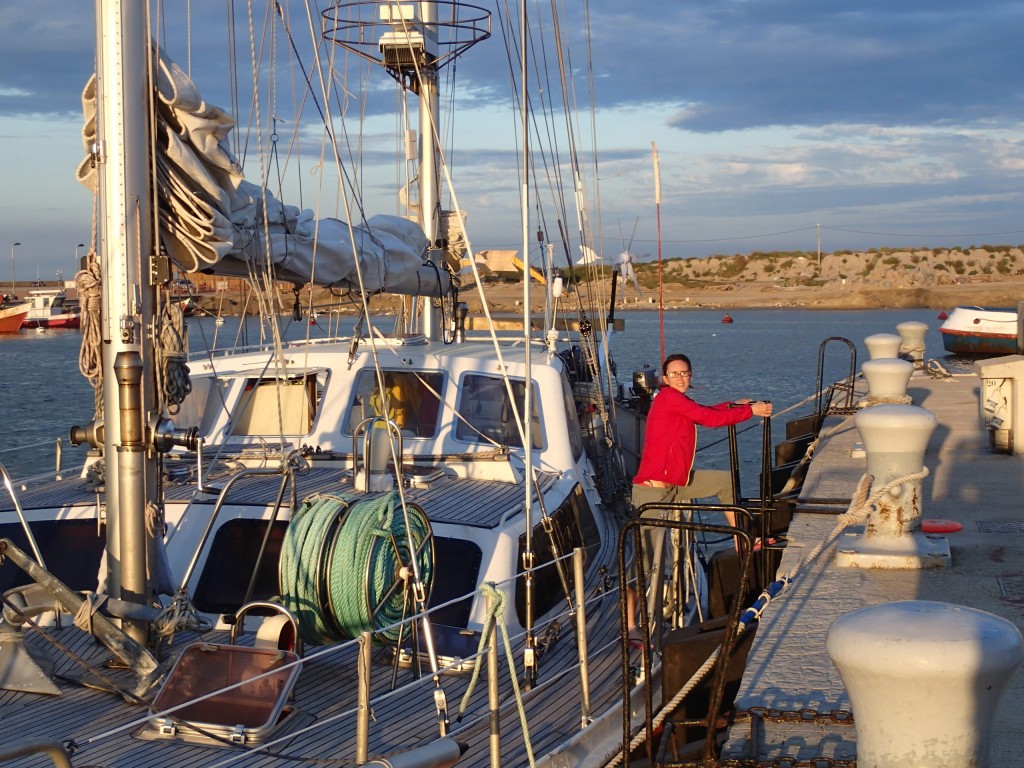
(11, 316)
(980, 331)
(50, 308)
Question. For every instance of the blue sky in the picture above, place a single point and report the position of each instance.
(888, 124)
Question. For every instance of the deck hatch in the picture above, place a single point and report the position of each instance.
(1011, 587)
(1001, 526)
(243, 715)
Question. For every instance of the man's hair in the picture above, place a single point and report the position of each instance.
(672, 359)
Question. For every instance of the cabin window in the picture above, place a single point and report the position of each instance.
(71, 548)
(572, 525)
(279, 406)
(229, 566)
(411, 400)
(456, 569)
(487, 411)
(193, 410)
(572, 417)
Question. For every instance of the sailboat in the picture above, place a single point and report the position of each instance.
(295, 552)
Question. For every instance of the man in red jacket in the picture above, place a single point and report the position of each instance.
(666, 470)
(666, 474)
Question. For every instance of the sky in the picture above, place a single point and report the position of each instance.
(875, 124)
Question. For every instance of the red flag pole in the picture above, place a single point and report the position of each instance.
(657, 208)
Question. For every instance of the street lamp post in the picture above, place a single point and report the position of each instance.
(13, 246)
(78, 264)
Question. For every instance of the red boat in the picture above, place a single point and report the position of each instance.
(50, 308)
(11, 317)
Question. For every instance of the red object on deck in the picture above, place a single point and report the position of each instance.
(940, 526)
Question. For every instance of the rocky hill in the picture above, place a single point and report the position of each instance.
(939, 277)
(936, 278)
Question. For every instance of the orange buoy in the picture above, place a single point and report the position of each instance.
(727, 318)
(943, 316)
(940, 526)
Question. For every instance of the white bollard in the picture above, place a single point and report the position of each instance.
(882, 345)
(924, 680)
(912, 342)
(887, 379)
(895, 438)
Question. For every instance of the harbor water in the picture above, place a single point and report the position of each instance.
(764, 355)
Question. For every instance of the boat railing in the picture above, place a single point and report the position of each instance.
(382, 340)
(21, 515)
(826, 404)
(631, 538)
(287, 472)
(58, 472)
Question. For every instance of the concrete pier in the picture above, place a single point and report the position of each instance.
(789, 669)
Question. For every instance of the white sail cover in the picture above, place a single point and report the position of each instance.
(212, 219)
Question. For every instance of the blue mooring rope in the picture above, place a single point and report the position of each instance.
(343, 565)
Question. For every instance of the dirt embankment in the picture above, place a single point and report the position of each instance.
(884, 278)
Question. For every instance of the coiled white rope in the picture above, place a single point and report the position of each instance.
(90, 358)
(937, 370)
(91, 603)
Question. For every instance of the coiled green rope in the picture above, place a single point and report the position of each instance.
(346, 567)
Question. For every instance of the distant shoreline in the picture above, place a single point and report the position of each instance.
(763, 295)
(507, 298)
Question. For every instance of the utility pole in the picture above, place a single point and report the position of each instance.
(819, 250)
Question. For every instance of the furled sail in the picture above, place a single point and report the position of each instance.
(213, 220)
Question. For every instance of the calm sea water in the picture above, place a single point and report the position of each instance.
(764, 354)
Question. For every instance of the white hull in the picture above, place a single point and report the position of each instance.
(980, 331)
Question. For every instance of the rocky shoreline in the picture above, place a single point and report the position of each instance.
(772, 296)
(507, 297)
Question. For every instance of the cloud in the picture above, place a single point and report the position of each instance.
(769, 116)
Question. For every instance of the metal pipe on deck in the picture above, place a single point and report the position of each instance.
(52, 749)
(493, 692)
(442, 753)
(581, 637)
(363, 699)
(131, 457)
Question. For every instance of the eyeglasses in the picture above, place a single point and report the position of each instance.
(678, 374)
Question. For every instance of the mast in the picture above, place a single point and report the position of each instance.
(412, 44)
(122, 155)
(429, 175)
(529, 654)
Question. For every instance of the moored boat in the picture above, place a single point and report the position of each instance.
(980, 331)
(354, 524)
(11, 316)
(51, 308)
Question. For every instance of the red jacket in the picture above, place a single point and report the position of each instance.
(670, 439)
